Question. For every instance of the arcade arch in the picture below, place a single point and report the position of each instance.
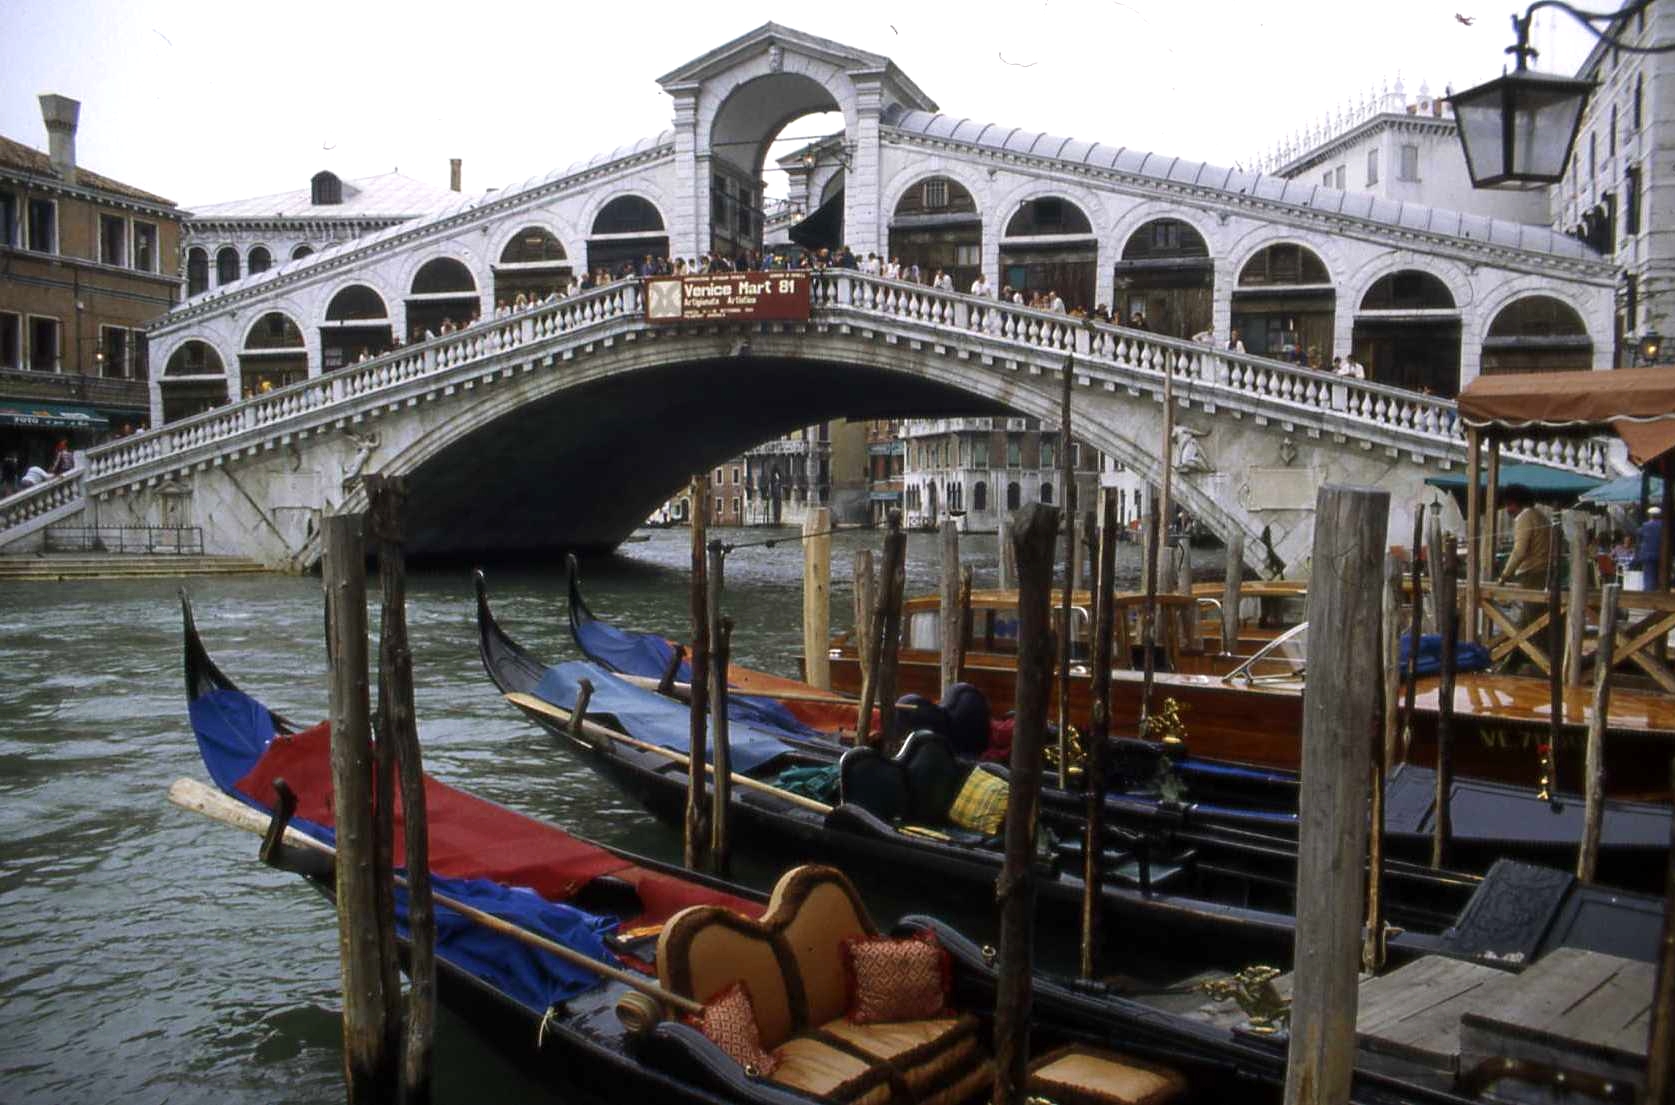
(357, 325)
(197, 271)
(936, 225)
(1049, 246)
(533, 265)
(1407, 333)
(748, 130)
(1537, 333)
(274, 355)
(1284, 303)
(627, 230)
(444, 294)
(226, 265)
(1167, 275)
(194, 380)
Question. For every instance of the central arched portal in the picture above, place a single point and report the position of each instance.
(777, 166)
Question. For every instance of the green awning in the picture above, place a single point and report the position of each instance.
(51, 416)
(1543, 482)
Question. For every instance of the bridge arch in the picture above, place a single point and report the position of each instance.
(355, 319)
(1406, 318)
(1284, 301)
(936, 221)
(623, 227)
(1048, 241)
(1536, 331)
(529, 254)
(1163, 268)
(443, 289)
(272, 355)
(194, 379)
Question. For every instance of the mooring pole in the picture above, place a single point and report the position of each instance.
(963, 640)
(1230, 594)
(865, 636)
(1446, 585)
(721, 634)
(1340, 724)
(1392, 655)
(1148, 617)
(369, 1067)
(1555, 662)
(892, 581)
(817, 598)
(949, 610)
(1372, 941)
(1412, 670)
(1660, 1047)
(1576, 618)
(1593, 763)
(1067, 496)
(1099, 730)
(1015, 893)
(398, 729)
(696, 837)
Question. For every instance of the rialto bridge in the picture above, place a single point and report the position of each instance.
(566, 421)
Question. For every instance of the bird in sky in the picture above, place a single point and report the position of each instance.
(1466, 20)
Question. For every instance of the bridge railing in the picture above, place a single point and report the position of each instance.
(42, 499)
(1310, 390)
(411, 362)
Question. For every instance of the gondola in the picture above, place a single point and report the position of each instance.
(1225, 894)
(1153, 782)
(694, 936)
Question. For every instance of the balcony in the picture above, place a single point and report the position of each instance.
(95, 390)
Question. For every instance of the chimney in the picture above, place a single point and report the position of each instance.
(60, 114)
(453, 174)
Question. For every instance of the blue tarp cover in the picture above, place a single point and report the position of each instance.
(1468, 655)
(650, 717)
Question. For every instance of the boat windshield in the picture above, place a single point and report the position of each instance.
(1281, 660)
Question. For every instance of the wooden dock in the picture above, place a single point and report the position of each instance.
(1436, 1020)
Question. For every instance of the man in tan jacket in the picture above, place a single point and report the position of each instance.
(1532, 550)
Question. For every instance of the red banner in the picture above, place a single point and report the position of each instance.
(729, 296)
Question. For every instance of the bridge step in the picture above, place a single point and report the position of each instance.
(120, 566)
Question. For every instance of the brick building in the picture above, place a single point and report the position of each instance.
(85, 263)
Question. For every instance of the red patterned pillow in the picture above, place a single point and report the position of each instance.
(897, 980)
(729, 1021)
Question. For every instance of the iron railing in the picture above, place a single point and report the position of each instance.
(168, 540)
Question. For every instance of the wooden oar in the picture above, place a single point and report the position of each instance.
(683, 690)
(594, 730)
(190, 794)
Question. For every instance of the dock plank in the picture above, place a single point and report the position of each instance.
(1413, 1013)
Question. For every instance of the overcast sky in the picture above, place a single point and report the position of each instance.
(205, 102)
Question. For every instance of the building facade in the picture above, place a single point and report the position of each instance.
(89, 262)
(979, 470)
(824, 465)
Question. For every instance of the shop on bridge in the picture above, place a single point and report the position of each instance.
(1167, 276)
(357, 326)
(626, 231)
(936, 225)
(444, 295)
(1537, 333)
(1049, 247)
(533, 265)
(1284, 303)
(273, 356)
(1407, 333)
(194, 380)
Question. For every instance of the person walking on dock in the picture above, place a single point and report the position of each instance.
(1532, 548)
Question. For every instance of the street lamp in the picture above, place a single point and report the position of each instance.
(1519, 128)
(1651, 344)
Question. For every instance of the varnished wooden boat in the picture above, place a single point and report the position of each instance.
(1187, 889)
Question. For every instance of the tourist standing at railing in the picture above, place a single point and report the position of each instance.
(10, 470)
(1234, 344)
(982, 288)
(1349, 368)
(1648, 543)
(63, 461)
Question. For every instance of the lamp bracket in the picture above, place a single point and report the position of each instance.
(1596, 23)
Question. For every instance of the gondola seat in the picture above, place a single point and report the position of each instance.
(916, 788)
(791, 962)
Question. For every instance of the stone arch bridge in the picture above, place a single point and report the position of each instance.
(566, 423)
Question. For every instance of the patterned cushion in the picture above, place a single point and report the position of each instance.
(897, 980)
(729, 1020)
(981, 804)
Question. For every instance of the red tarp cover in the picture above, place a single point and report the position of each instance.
(471, 837)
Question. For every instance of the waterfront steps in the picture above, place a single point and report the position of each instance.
(59, 566)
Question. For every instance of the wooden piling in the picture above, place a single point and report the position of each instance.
(1191, 633)
(1593, 761)
(1411, 672)
(949, 611)
(1099, 730)
(368, 1065)
(695, 836)
(1067, 522)
(1660, 1046)
(887, 621)
(1576, 619)
(1433, 557)
(1007, 570)
(1037, 530)
(1555, 664)
(398, 728)
(1148, 618)
(1474, 531)
(1392, 622)
(865, 635)
(1442, 819)
(1372, 940)
(962, 640)
(817, 598)
(1230, 594)
(721, 853)
(1339, 723)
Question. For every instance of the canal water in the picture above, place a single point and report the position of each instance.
(146, 956)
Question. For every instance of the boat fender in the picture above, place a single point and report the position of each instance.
(639, 1013)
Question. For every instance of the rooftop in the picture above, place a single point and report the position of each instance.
(17, 157)
(388, 195)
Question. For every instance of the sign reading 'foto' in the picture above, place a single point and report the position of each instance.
(732, 296)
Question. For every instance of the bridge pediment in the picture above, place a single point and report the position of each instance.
(775, 42)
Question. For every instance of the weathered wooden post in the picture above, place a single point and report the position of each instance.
(369, 1064)
(1372, 943)
(720, 634)
(1660, 1047)
(887, 622)
(1191, 633)
(950, 607)
(1576, 618)
(865, 634)
(1007, 571)
(1099, 729)
(1593, 763)
(1067, 522)
(1340, 723)
(1148, 618)
(1446, 584)
(1392, 662)
(1412, 669)
(1037, 531)
(1230, 595)
(698, 703)
(1555, 665)
(963, 641)
(817, 598)
(398, 729)
(1474, 532)
(1433, 557)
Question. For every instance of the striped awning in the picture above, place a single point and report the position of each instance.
(51, 416)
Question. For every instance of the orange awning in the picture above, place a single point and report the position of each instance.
(1639, 403)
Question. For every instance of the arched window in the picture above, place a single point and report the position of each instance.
(357, 301)
(301, 251)
(195, 358)
(1165, 281)
(1014, 495)
(628, 215)
(273, 355)
(443, 275)
(625, 232)
(1164, 238)
(1047, 493)
(325, 189)
(1283, 264)
(1049, 251)
(226, 266)
(1408, 290)
(980, 495)
(274, 330)
(936, 225)
(533, 265)
(197, 271)
(1048, 215)
(532, 246)
(357, 326)
(1537, 333)
(1285, 304)
(259, 260)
